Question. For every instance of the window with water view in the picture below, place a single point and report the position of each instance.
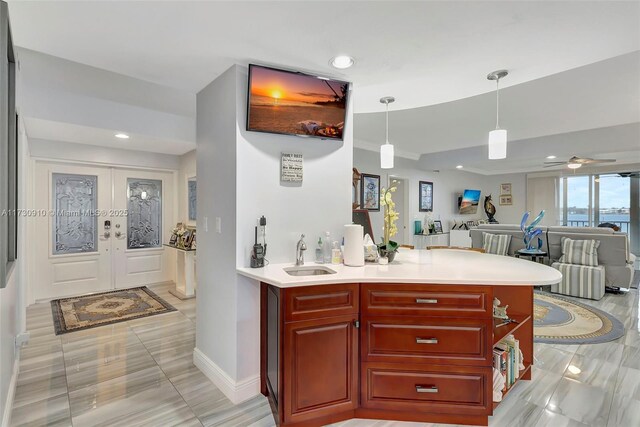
(595, 199)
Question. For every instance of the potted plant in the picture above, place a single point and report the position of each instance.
(388, 248)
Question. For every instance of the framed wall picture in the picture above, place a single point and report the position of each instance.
(370, 192)
(437, 225)
(192, 200)
(425, 189)
(506, 200)
(505, 189)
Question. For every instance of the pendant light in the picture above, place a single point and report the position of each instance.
(386, 150)
(497, 137)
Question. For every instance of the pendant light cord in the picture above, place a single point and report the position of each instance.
(387, 125)
(498, 103)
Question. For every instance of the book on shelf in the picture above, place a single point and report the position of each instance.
(506, 359)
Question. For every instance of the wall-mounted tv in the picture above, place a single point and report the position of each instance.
(293, 103)
(468, 202)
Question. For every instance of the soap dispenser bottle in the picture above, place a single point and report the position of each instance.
(319, 254)
(326, 248)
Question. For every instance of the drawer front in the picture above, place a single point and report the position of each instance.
(432, 340)
(443, 389)
(316, 302)
(426, 300)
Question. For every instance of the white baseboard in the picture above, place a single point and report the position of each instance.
(236, 391)
(8, 404)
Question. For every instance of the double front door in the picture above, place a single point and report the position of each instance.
(100, 228)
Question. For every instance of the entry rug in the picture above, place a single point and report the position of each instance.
(560, 320)
(90, 311)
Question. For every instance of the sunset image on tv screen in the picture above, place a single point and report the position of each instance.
(291, 103)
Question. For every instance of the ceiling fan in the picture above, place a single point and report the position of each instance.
(576, 162)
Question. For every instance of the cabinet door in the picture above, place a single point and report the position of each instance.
(321, 367)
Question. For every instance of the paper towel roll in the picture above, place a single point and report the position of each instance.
(353, 245)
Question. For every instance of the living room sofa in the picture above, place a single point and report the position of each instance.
(613, 253)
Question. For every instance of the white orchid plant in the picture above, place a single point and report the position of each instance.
(390, 217)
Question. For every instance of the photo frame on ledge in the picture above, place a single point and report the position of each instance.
(370, 192)
(437, 226)
(425, 190)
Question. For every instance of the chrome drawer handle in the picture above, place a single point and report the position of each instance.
(426, 340)
(421, 389)
(426, 301)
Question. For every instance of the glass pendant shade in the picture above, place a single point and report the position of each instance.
(386, 149)
(498, 144)
(386, 156)
(497, 137)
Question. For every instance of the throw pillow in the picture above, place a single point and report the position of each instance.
(497, 244)
(579, 252)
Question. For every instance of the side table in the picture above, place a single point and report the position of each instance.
(535, 256)
(185, 273)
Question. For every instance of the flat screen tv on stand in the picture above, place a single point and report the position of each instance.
(295, 103)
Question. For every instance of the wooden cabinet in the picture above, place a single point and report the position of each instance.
(406, 352)
(310, 358)
(320, 367)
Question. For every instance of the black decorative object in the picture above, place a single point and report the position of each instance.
(490, 210)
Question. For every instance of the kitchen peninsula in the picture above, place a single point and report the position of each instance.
(408, 341)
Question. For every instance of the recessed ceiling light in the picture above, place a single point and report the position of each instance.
(459, 167)
(574, 165)
(551, 157)
(342, 61)
(122, 136)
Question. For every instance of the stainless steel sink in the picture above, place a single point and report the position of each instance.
(312, 270)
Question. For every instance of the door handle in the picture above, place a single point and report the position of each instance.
(422, 389)
(107, 234)
(118, 234)
(426, 340)
(426, 301)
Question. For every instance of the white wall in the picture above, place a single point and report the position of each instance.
(12, 297)
(507, 214)
(216, 324)
(446, 186)
(242, 174)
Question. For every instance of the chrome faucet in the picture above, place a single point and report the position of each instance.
(300, 248)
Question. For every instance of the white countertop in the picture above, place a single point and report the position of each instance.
(440, 266)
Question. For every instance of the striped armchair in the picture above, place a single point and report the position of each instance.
(580, 280)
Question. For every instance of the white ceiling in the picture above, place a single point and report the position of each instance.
(423, 53)
(600, 95)
(528, 155)
(69, 132)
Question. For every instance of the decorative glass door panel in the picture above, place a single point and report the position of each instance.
(144, 213)
(148, 200)
(75, 220)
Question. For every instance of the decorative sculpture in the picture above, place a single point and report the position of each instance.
(530, 232)
(490, 210)
(498, 311)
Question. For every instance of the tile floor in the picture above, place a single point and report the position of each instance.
(140, 373)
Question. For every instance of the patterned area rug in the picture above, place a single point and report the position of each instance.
(90, 311)
(636, 279)
(560, 320)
